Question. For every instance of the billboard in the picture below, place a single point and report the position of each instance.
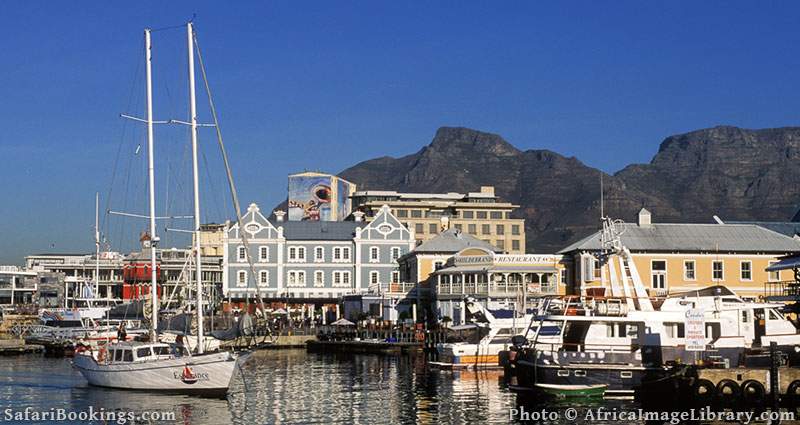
(319, 197)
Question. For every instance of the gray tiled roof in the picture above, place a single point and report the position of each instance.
(318, 230)
(788, 228)
(452, 240)
(695, 237)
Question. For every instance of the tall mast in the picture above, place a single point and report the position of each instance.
(152, 189)
(97, 244)
(193, 123)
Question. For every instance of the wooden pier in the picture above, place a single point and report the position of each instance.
(364, 347)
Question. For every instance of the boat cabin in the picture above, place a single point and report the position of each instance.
(132, 352)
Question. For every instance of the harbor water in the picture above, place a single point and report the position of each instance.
(285, 386)
(281, 386)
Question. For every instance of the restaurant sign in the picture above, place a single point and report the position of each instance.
(505, 259)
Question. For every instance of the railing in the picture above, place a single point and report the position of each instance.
(784, 288)
(501, 288)
(394, 288)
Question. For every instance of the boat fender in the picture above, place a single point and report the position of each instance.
(728, 391)
(753, 392)
(793, 392)
(704, 391)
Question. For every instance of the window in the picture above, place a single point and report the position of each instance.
(297, 278)
(263, 254)
(501, 229)
(395, 253)
(496, 215)
(688, 270)
(433, 228)
(459, 227)
(319, 279)
(563, 273)
(374, 278)
(242, 254)
(717, 270)
(297, 254)
(774, 276)
(341, 279)
(515, 245)
(437, 265)
(486, 229)
(341, 254)
(658, 274)
(395, 276)
(241, 278)
(501, 244)
(515, 229)
(468, 214)
(416, 213)
(319, 254)
(419, 228)
(481, 215)
(472, 229)
(746, 270)
(598, 270)
(373, 254)
(143, 352)
(263, 278)
(402, 213)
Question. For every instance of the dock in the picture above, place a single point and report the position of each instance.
(18, 346)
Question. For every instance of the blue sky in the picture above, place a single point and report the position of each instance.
(324, 85)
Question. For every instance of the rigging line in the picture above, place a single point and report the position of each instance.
(105, 224)
(234, 195)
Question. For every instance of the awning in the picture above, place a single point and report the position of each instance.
(461, 269)
(785, 264)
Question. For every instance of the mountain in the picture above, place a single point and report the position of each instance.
(734, 173)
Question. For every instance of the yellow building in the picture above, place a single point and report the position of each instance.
(211, 239)
(678, 257)
(480, 214)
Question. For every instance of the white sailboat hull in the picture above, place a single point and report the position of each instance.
(210, 374)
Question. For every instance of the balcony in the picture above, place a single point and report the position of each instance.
(396, 288)
(786, 290)
(497, 289)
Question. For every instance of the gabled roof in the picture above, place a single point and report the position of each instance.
(318, 230)
(451, 241)
(694, 237)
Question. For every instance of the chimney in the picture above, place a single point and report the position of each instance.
(644, 218)
(358, 216)
(279, 214)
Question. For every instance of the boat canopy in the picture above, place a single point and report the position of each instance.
(711, 291)
(785, 263)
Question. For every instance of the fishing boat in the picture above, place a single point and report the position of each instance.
(153, 365)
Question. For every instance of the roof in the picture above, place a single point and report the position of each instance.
(452, 240)
(694, 237)
(319, 230)
(788, 228)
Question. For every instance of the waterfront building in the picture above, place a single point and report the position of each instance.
(679, 257)
(212, 239)
(503, 283)
(78, 269)
(481, 214)
(17, 286)
(319, 197)
(312, 261)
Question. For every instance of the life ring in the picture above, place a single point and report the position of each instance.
(704, 392)
(793, 393)
(728, 392)
(753, 392)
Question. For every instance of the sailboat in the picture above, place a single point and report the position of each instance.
(153, 365)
